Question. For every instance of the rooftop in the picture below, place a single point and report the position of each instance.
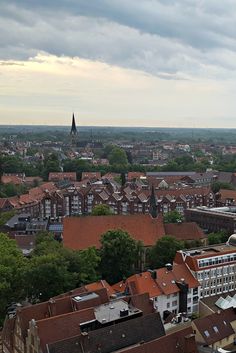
(114, 311)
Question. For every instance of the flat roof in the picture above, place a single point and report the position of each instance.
(86, 296)
(211, 301)
(229, 212)
(209, 250)
(114, 310)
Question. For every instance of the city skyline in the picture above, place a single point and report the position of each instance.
(118, 63)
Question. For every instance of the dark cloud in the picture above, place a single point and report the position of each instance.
(165, 38)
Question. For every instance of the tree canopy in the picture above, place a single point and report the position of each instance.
(102, 210)
(164, 251)
(118, 253)
(217, 238)
(49, 271)
(12, 269)
(173, 217)
(118, 156)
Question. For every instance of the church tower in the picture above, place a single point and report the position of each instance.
(153, 204)
(73, 132)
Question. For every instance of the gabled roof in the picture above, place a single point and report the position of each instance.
(227, 194)
(140, 227)
(182, 341)
(62, 326)
(113, 338)
(91, 175)
(98, 285)
(185, 230)
(165, 282)
(61, 176)
(135, 175)
(11, 179)
(215, 327)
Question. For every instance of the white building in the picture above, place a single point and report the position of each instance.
(213, 266)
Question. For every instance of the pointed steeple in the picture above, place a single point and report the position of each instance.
(73, 130)
(153, 204)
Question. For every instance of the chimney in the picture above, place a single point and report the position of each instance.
(52, 307)
(169, 267)
(153, 274)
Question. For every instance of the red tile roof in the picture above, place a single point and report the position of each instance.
(181, 341)
(135, 175)
(82, 232)
(11, 179)
(91, 175)
(163, 284)
(218, 326)
(185, 231)
(227, 194)
(98, 285)
(62, 176)
(63, 326)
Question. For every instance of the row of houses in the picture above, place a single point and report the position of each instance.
(78, 198)
(92, 319)
(146, 313)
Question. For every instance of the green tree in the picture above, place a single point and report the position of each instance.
(118, 156)
(164, 251)
(51, 164)
(217, 238)
(217, 185)
(48, 276)
(173, 217)
(54, 269)
(12, 269)
(102, 210)
(5, 216)
(119, 254)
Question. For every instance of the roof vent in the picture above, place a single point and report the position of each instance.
(169, 267)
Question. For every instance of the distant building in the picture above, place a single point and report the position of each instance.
(73, 133)
(213, 219)
(67, 176)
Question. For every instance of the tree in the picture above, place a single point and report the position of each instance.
(12, 268)
(118, 156)
(118, 253)
(217, 238)
(5, 216)
(102, 210)
(54, 269)
(217, 185)
(173, 217)
(164, 251)
(48, 276)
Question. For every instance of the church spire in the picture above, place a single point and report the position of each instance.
(73, 130)
(153, 204)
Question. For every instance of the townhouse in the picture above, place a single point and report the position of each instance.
(173, 289)
(88, 317)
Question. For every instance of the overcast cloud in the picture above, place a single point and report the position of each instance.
(185, 40)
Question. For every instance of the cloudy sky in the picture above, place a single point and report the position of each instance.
(118, 62)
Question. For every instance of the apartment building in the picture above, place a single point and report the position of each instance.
(213, 266)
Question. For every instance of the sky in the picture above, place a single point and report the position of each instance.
(167, 63)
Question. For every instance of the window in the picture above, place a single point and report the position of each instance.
(215, 328)
(174, 303)
(206, 333)
(168, 305)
